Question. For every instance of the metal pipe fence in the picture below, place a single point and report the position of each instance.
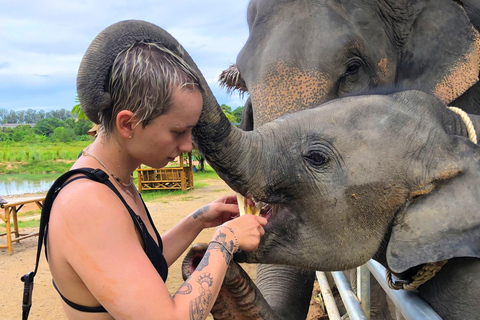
(357, 304)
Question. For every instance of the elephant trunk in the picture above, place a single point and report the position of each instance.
(225, 147)
(239, 298)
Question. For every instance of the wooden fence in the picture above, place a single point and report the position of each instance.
(172, 177)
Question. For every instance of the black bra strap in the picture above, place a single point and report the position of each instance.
(93, 174)
(77, 306)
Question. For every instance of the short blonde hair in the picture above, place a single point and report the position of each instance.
(142, 79)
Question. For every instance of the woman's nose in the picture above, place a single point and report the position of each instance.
(186, 145)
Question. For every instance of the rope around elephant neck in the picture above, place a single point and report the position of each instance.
(472, 135)
(429, 270)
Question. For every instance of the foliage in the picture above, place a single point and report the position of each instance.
(47, 126)
(39, 157)
(77, 110)
(62, 134)
(234, 116)
(32, 116)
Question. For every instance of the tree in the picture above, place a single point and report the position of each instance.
(82, 126)
(3, 114)
(46, 127)
(11, 117)
(19, 133)
(238, 112)
(30, 116)
(228, 112)
(62, 134)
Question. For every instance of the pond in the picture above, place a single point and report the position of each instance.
(19, 184)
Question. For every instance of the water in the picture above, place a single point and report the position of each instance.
(15, 185)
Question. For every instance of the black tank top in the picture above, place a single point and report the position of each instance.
(152, 250)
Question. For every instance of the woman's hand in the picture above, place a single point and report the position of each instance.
(243, 232)
(218, 211)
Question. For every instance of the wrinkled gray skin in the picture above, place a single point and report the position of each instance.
(350, 196)
(318, 221)
(303, 53)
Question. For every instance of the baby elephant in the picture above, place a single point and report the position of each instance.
(389, 177)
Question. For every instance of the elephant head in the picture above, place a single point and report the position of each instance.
(344, 189)
(303, 53)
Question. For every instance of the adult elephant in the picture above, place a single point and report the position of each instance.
(302, 53)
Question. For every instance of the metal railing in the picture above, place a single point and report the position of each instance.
(357, 304)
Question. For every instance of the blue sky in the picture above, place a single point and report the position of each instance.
(42, 42)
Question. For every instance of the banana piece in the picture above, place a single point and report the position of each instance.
(245, 208)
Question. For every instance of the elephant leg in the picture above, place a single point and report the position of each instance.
(287, 290)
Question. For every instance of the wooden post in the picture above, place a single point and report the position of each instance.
(191, 169)
(9, 231)
(139, 176)
(15, 221)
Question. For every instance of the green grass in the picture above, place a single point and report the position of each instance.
(28, 213)
(34, 223)
(209, 173)
(150, 195)
(30, 152)
(43, 157)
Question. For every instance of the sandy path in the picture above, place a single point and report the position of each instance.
(166, 212)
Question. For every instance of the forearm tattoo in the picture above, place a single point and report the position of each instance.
(204, 262)
(201, 211)
(225, 247)
(186, 288)
(199, 306)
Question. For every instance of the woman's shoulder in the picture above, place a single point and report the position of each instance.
(85, 196)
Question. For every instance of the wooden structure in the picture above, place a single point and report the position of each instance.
(173, 177)
(10, 210)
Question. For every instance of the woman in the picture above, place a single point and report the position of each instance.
(107, 262)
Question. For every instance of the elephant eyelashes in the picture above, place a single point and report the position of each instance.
(317, 158)
(353, 68)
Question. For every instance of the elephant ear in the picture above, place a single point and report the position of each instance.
(439, 47)
(443, 219)
(472, 8)
(97, 62)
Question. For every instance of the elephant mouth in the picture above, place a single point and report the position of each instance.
(267, 211)
(192, 259)
(248, 205)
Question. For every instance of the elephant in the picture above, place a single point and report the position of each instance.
(348, 196)
(302, 53)
(235, 154)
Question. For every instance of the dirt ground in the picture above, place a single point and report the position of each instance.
(46, 302)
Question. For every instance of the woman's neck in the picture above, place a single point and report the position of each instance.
(112, 156)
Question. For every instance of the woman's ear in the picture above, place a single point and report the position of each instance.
(126, 123)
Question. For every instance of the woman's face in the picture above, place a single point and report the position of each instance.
(168, 135)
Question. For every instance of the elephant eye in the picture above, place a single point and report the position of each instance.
(353, 68)
(317, 158)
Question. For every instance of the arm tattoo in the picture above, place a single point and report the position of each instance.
(224, 252)
(221, 238)
(204, 262)
(186, 288)
(201, 211)
(199, 306)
